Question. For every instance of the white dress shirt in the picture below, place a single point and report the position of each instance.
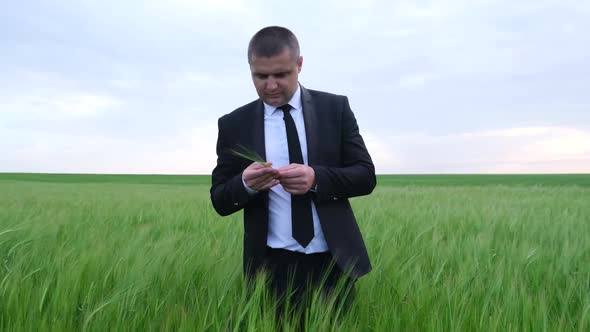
(279, 201)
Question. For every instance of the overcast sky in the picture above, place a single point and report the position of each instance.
(437, 86)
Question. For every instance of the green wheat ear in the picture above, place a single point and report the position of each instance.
(248, 154)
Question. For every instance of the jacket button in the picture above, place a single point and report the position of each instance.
(335, 198)
(236, 204)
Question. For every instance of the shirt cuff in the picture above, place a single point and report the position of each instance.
(248, 189)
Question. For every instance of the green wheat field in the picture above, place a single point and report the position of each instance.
(149, 253)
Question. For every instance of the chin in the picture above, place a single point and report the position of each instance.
(274, 102)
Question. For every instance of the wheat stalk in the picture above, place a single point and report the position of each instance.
(248, 154)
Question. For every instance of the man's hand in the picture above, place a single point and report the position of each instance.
(297, 179)
(259, 177)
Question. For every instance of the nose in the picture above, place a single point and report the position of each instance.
(271, 84)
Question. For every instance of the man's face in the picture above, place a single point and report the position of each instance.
(275, 77)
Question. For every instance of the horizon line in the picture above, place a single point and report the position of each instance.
(378, 174)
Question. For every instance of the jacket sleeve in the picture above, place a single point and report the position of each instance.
(228, 194)
(356, 175)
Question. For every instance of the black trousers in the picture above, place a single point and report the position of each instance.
(294, 276)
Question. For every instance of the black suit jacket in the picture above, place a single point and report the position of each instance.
(336, 152)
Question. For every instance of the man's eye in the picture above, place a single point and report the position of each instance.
(261, 76)
(281, 75)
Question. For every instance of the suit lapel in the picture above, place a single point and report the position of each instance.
(311, 126)
(260, 148)
(258, 130)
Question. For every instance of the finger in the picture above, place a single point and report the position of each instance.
(263, 175)
(295, 191)
(293, 181)
(269, 172)
(270, 184)
(290, 167)
(290, 187)
(258, 172)
(260, 167)
(255, 165)
(291, 173)
(250, 173)
(260, 181)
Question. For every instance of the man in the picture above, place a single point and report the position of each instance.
(298, 222)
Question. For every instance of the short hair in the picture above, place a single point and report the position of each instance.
(271, 41)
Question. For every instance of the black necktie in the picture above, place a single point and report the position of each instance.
(302, 220)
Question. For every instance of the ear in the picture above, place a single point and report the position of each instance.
(299, 64)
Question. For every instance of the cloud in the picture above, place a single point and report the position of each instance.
(220, 5)
(511, 150)
(124, 86)
(81, 105)
(414, 81)
(185, 152)
(45, 106)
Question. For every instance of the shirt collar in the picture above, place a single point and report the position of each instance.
(295, 102)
